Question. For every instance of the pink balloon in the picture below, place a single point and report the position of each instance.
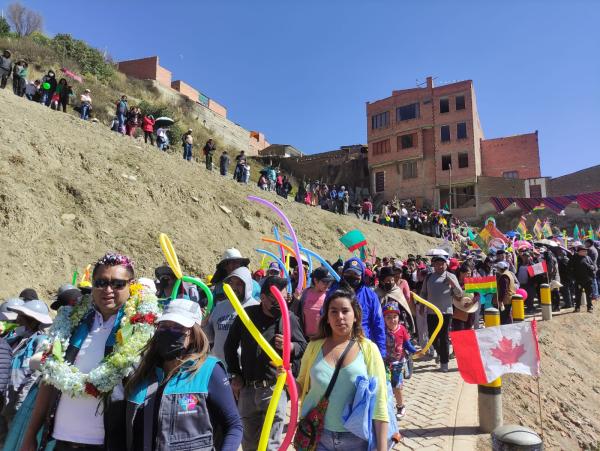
(522, 292)
(285, 321)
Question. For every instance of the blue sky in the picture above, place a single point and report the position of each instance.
(302, 71)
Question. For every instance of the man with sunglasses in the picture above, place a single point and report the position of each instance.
(79, 423)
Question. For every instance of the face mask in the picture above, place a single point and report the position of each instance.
(169, 344)
(354, 283)
(275, 310)
(388, 286)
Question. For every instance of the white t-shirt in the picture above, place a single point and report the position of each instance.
(80, 420)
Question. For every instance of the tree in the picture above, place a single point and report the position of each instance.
(4, 27)
(23, 20)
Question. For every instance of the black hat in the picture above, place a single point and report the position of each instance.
(66, 294)
(28, 294)
(386, 271)
(322, 273)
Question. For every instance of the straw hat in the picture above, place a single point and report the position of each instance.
(466, 303)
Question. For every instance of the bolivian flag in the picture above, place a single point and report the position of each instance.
(481, 285)
(355, 240)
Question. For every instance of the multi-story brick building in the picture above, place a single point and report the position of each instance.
(427, 144)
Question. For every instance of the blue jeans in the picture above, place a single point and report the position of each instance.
(341, 441)
(187, 152)
(121, 119)
(85, 112)
(45, 99)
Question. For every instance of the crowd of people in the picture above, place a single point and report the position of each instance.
(202, 381)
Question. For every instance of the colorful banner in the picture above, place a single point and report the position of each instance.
(481, 285)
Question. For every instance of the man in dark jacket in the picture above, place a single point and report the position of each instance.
(584, 272)
(6, 67)
(593, 254)
(209, 151)
(48, 87)
(224, 162)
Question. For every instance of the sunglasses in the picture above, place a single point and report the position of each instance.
(115, 284)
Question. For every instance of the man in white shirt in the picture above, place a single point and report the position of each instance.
(79, 423)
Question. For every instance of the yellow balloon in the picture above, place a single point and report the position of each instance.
(440, 317)
(266, 430)
(264, 344)
(170, 255)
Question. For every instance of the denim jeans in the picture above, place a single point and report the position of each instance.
(121, 119)
(187, 152)
(85, 111)
(45, 99)
(341, 441)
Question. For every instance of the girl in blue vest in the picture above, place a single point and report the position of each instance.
(179, 397)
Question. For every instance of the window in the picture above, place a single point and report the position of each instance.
(510, 175)
(446, 162)
(379, 182)
(460, 103)
(535, 190)
(463, 160)
(409, 170)
(445, 133)
(381, 147)
(407, 141)
(461, 130)
(407, 112)
(444, 105)
(381, 120)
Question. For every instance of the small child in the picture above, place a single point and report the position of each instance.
(397, 345)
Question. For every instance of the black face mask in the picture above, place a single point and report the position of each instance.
(275, 310)
(169, 344)
(388, 286)
(353, 282)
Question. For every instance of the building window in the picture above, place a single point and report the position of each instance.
(460, 103)
(381, 120)
(406, 112)
(463, 160)
(407, 141)
(461, 130)
(379, 182)
(444, 105)
(510, 175)
(409, 170)
(535, 190)
(381, 147)
(446, 162)
(445, 133)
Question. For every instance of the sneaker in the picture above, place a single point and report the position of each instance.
(590, 309)
(444, 367)
(576, 310)
(400, 411)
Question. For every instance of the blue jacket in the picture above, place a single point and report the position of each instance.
(372, 316)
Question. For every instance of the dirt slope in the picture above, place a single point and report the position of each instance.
(70, 190)
(570, 385)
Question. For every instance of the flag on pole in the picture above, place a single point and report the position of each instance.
(483, 355)
(481, 285)
(590, 233)
(522, 227)
(576, 232)
(537, 269)
(353, 240)
(537, 229)
(547, 230)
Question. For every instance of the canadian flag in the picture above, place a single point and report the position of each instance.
(538, 268)
(486, 354)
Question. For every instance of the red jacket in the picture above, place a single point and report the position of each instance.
(148, 124)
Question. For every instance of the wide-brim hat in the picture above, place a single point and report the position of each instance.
(36, 309)
(467, 303)
(63, 296)
(234, 254)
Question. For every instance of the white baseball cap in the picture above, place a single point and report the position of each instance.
(183, 312)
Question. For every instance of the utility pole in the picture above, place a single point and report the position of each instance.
(450, 189)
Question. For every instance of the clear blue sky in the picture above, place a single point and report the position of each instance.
(302, 71)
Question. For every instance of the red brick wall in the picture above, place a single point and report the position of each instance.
(514, 153)
(217, 108)
(185, 89)
(146, 69)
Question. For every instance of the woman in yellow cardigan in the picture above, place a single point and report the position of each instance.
(340, 323)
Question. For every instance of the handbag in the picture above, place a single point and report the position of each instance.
(310, 428)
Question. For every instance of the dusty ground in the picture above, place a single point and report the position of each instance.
(570, 385)
(71, 190)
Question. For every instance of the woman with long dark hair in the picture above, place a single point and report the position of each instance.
(179, 397)
(340, 337)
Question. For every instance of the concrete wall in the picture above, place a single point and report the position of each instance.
(579, 182)
(512, 153)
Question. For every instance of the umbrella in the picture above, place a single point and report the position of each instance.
(164, 121)
(522, 243)
(547, 242)
(511, 234)
(444, 212)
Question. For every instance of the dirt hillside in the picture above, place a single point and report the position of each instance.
(570, 385)
(71, 190)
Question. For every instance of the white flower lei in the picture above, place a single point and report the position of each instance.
(141, 309)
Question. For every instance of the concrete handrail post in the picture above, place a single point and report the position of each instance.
(546, 301)
(489, 399)
(518, 308)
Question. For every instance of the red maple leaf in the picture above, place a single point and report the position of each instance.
(507, 353)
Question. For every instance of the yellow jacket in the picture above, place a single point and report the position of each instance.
(375, 368)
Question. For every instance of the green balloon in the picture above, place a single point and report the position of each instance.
(46, 86)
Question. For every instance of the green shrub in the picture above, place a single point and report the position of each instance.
(91, 60)
(4, 27)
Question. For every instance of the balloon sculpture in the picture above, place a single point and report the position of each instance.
(173, 262)
(440, 318)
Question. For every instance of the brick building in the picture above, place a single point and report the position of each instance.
(427, 144)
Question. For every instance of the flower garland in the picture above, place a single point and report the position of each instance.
(136, 328)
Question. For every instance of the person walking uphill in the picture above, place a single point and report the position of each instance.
(6, 67)
(253, 376)
(438, 288)
(209, 151)
(148, 128)
(121, 113)
(353, 273)
(188, 141)
(224, 161)
(80, 420)
(179, 397)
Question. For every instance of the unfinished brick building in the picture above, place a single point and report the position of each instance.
(427, 144)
